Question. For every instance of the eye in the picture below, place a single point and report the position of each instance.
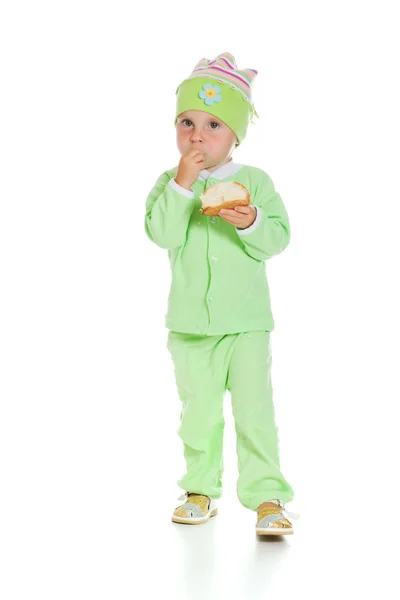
(186, 121)
(215, 123)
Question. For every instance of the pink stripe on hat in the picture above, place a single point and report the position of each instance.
(223, 68)
(225, 71)
(225, 61)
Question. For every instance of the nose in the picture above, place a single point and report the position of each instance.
(196, 136)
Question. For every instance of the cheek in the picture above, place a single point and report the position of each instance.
(181, 139)
(222, 142)
(183, 136)
(216, 141)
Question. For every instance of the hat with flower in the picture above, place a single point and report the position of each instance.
(218, 87)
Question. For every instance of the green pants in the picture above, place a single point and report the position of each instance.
(205, 367)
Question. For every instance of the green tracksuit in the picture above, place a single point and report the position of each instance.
(219, 319)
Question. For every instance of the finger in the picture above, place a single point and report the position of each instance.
(195, 151)
(242, 209)
(198, 152)
(232, 220)
(230, 212)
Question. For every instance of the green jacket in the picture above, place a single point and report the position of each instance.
(219, 282)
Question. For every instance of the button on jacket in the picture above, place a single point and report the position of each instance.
(219, 282)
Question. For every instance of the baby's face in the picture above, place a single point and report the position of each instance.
(198, 129)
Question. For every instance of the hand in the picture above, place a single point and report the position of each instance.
(239, 216)
(190, 165)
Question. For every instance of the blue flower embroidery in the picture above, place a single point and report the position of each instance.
(211, 93)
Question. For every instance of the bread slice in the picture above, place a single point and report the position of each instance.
(226, 194)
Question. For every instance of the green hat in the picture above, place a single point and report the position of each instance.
(219, 88)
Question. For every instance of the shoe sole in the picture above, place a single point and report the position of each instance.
(189, 521)
(274, 531)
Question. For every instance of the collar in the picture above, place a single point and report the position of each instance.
(223, 172)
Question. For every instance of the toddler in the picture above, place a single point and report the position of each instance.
(219, 315)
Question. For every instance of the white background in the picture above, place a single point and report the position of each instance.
(89, 452)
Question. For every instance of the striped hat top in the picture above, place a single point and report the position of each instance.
(223, 68)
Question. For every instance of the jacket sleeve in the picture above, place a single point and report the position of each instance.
(168, 210)
(270, 233)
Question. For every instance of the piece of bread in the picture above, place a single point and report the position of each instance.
(226, 194)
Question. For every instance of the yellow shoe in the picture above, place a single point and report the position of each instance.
(196, 510)
(272, 520)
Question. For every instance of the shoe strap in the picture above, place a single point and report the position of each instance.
(185, 496)
(290, 514)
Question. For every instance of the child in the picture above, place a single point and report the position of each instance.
(219, 314)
